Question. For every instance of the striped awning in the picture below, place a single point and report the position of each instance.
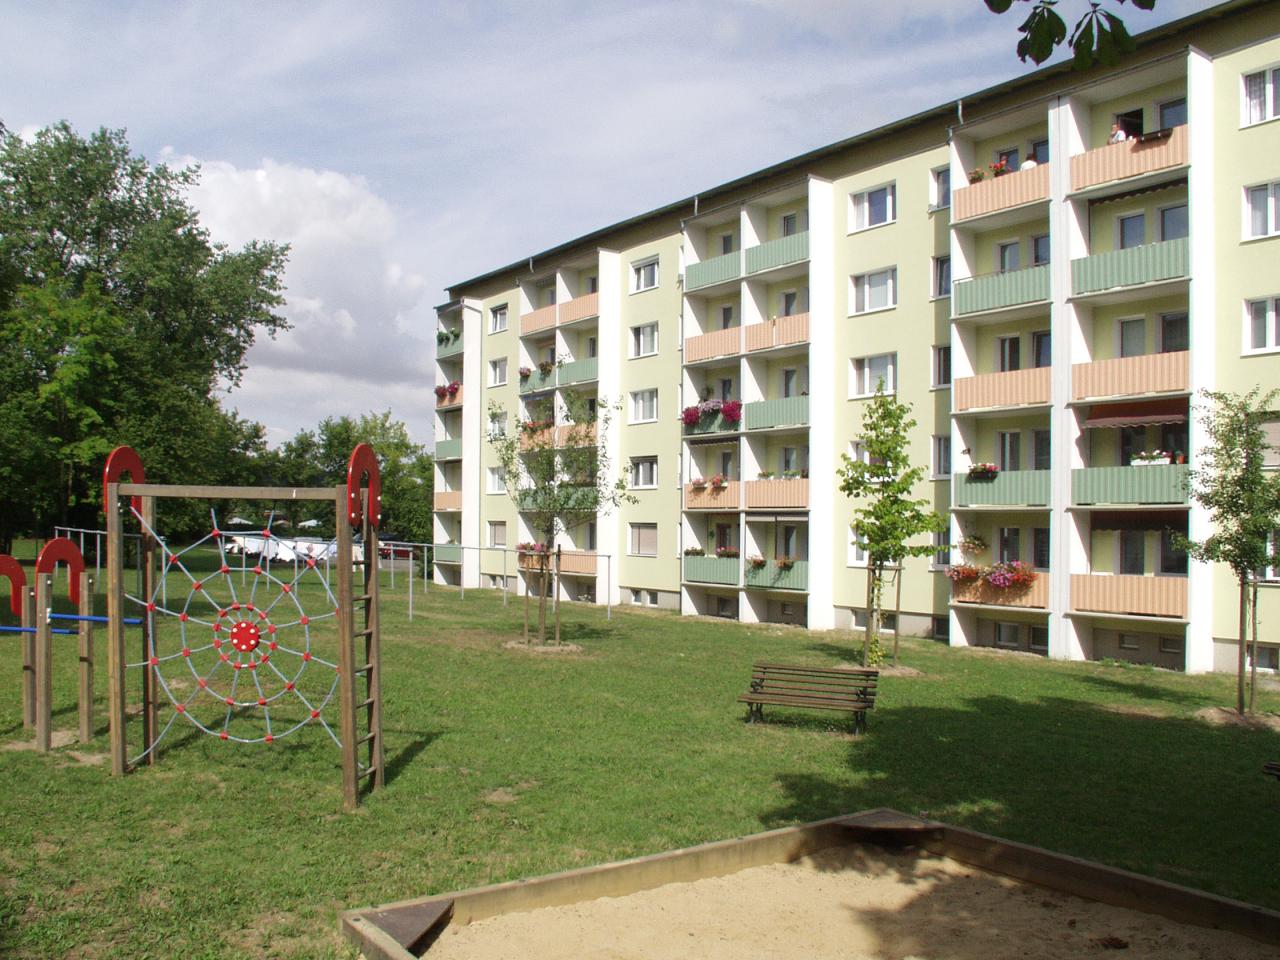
(1137, 413)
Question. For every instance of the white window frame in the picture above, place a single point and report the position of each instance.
(1016, 246)
(1120, 328)
(859, 370)
(1272, 225)
(937, 293)
(637, 473)
(940, 559)
(1165, 208)
(498, 372)
(498, 425)
(1270, 95)
(496, 526)
(633, 530)
(1129, 215)
(1127, 641)
(1000, 626)
(857, 552)
(935, 188)
(496, 314)
(860, 207)
(935, 365)
(636, 400)
(861, 282)
(1160, 324)
(638, 269)
(1173, 646)
(495, 481)
(940, 456)
(637, 340)
(1271, 327)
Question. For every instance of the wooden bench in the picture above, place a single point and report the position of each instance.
(1272, 768)
(844, 689)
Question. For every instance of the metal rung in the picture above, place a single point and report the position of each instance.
(367, 703)
(362, 598)
(367, 737)
(366, 632)
(365, 669)
(365, 772)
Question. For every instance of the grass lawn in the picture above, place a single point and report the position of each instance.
(504, 764)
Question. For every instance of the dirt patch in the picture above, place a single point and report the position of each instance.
(1134, 710)
(501, 795)
(543, 649)
(997, 652)
(57, 738)
(1222, 717)
(92, 759)
(901, 670)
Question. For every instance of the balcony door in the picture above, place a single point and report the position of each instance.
(1010, 450)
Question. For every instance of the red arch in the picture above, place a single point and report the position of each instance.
(12, 569)
(122, 460)
(62, 549)
(364, 462)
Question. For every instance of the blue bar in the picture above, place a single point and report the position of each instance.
(4, 629)
(90, 619)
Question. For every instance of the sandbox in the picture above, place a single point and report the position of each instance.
(872, 886)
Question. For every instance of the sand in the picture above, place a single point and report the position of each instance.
(849, 904)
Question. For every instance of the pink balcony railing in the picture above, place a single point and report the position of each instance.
(778, 332)
(448, 500)
(765, 494)
(1017, 388)
(1000, 193)
(710, 498)
(1132, 376)
(1131, 158)
(580, 308)
(978, 591)
(447, 401)
(718, 343)
(576, 435)
(1143, 596)
(543, 318)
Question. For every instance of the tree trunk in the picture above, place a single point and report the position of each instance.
(1244, 632)
(542, 598)
(1253, 645)
(866, 634)
(556, 601)
(526, 602)
(897, 612)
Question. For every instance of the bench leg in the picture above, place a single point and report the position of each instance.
(755, 713)
(859, 723)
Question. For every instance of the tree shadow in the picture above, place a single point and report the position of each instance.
(408, 753)
(1139, 689)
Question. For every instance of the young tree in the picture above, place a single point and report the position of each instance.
(887, 517)
(1099, 36)
(1243, 500)
(558, 476)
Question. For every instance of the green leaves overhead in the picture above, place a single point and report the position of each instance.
(1099, 36)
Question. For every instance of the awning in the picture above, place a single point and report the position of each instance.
(1138, 413)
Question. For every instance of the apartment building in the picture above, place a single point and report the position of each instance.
(1049, 323)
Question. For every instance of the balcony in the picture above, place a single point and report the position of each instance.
(578, 499)
(579, 308)
(578, 562)
(778, 253)
(778, 332)
(1008, 488)
(449, 449)
(978, 591)
(1161, 483)
(1149, 263)
(579, 371)
(448, 500)
(1132, 158)
(787, 493)
(719, 269)
(1000, 193)
(716, 424)
(718, 343)
(544, 318)
(707, 497)
(783, 412)
(997, 291)
(576, 435)
(537, 381)
(1016, 388)
(1128, 594)
(451, 349)
(1132, 376)
(773, 577)
(722, 570)
(450, 401)
(541, 438)
(447, 552)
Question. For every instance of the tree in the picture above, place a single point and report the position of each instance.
(1099, 36)
(886, 517)
(1243, 500)
(118, 319)
(557, 476)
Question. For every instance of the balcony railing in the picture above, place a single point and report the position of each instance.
(717, 343)
(778, 332)
(571, 561)
(544, 318)
(716, 424)
(1135, 595)
(723, 570)
(787, 492)
(447, 552)
(579, 308)
(997, 291)
(707, 497)
(450, 400)
(978, 591)
(1132, 376)
(1016, 388)
(576, 435)
(1131, 158)
(579, 371)
(1149, 263)
(540, 439)
(448, 499)
(581, 499)
(1013, 488)
(783, 412)
(538, 381)
(449, 449)
(773, 577)
(1161, 483)
(1000, 193)
(778, 253)
(728, 266)
(446, 350)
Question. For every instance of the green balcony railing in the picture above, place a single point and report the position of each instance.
(783, 412)
(584, 499)
(727, 266)
(716, 424)
(778, 253)
(449, 449)
(538, 381)
(998, 290)
(722, 570)
(771, 577)
(446, 350)
(580, 371)
(447, 552)
(1149, 263)
(1162, 483)
(1011, 488)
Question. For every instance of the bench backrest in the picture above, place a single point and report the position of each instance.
(854, 682)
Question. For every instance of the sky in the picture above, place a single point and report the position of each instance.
(400, 147)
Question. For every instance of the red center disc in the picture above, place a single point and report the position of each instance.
(244, 636)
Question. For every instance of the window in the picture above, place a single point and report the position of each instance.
(1130, 122)
(1040, 548)
(1131, 230)
(1175, 438)
(1132, 440)
(644, 406)
(942, 366)
(591, 285)
(1262, 96)
(1271, 451)
(726, 243)
(498, 319)
(644, 540)
(788, 303)
(942, 276)
(789, 540)
(942, 547)
(874, 375)
(875, 291)
(1010, 354)
(1009, 545)
(592, 348)
(1133, 552)
(1173, 113)
(1263, 209)
(1041, 452)
(1039, 637)
(726, 317)
(1008, 256)
(941, 627)
(872, 208)
(1262, 324)
(1271, 574)
(498, 372)
(1133, 337)
(1010, 158)
(942, 456)
(1041, 349)
(644, 340)
(1007, 636)
(547, 294)
(1173, 222)
(1009, 447)
(791, 382)
(1040, 249)
(644, 472)
(857, 552)
(497, 533)
(1039, 151)
(589, 540)
(790, 224)
(498, 424)
(644, 275)
(1171, 645)
(1172, 560)
(1175, 335)
(942, 188)
(1128, 641)
(497, 480)
(726, 607)
(726, 463)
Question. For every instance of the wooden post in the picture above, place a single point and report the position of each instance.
(86, 657)
(28, 659)
(146, 562)
(44, 661)
(115, 634)
(557, 597)
(346, 658)
(373, 646)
